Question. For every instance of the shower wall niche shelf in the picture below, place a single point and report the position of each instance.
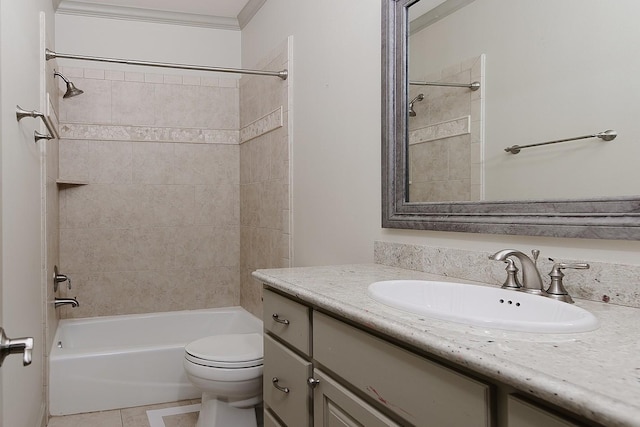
(70, 182)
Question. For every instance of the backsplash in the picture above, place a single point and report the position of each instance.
(603, 282)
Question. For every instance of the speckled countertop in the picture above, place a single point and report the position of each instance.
(593, 374)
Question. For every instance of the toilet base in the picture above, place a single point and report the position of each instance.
(215, 413)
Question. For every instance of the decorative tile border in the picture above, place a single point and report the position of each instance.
(447, 129)
(263, 125)
(602, 282)
(147, 134)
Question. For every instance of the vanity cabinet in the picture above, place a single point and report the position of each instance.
(522, 413)
(322, 371)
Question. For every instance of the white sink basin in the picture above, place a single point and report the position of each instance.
(483, 306)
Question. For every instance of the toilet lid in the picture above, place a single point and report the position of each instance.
(235, 350)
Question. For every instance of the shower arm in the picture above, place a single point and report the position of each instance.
(49, 54)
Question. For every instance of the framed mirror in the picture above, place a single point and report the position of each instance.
(552, 76)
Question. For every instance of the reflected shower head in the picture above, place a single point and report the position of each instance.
(72, 90)
(420, 97)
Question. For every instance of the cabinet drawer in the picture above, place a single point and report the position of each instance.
(288, 320)
(526, 414)
(418, 390)
(334, 405)
(270, 420)
(292, 372)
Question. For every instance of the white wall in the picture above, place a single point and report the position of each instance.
(336, 121)
(23, 402)
(336, 139)
(145, 41)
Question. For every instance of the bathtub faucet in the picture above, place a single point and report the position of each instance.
(64, 301)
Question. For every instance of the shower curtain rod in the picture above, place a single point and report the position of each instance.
(49, 54)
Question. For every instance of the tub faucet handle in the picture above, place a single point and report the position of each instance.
(59, 278)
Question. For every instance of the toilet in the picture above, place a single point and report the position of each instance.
(228, 371)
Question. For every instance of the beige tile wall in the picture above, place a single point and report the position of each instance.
(445, 157)
(264, 176)
(157, 228)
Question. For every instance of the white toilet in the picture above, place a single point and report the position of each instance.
(228, 371)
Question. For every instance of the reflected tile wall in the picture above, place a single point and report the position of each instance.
(445, 136)
(157, 228)
(264, 175)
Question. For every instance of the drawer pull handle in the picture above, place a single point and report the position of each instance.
(313, 382)
(275, 380)
(279, 320)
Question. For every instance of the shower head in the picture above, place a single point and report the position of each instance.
(412, 113)
(72, 90)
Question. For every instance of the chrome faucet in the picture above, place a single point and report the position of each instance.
(64, 301)
(531, 279)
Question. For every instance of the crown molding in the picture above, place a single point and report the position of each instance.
(248, 11)
(70, 7)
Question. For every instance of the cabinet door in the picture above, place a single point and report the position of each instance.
(416, 389)
(335, 406)
(525, 414)
(270, 420)
(285, 384)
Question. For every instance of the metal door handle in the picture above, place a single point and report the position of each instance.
(14, 346)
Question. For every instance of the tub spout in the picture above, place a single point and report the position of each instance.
(64, 301)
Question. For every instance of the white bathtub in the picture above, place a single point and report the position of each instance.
(122, 361)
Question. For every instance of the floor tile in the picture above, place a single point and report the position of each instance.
(137, 417)
(93, 419)
(181, 420)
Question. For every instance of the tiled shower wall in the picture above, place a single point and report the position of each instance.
(264, 175)
(157, 227)
(445, 136)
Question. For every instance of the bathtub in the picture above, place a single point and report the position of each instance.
(115, 362)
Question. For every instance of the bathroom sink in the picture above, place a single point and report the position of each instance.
(483, 306)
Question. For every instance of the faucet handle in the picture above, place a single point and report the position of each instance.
(556, 288)
(512, 281)
(573, 265)
(535, 253)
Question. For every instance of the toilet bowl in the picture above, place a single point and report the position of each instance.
(228, 371)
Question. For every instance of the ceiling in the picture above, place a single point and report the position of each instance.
(222, 8)
(208, 13)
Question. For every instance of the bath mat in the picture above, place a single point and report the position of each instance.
(156, 415)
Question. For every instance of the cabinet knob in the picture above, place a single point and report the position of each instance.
(313, 382)
(274, 381)
(279, 320)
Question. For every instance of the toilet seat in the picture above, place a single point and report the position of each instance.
(234, 351)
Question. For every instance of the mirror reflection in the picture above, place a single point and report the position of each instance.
(547, 70)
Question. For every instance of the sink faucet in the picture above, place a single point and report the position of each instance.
(64, 301)
(531, 279)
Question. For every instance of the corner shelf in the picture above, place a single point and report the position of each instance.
(70, 182)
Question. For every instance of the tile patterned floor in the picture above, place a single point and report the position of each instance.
(129, 417)
(135, 417)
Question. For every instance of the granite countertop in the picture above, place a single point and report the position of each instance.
(594, 374)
